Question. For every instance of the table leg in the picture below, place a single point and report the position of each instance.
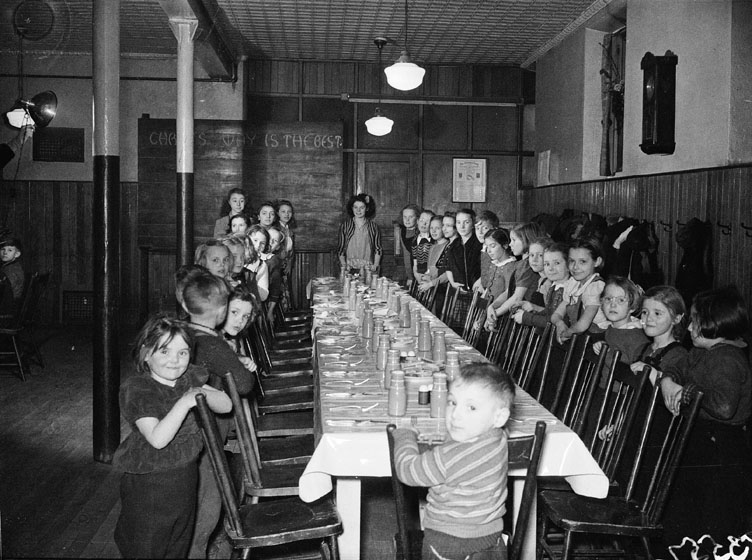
(528, 547)
(348, 505)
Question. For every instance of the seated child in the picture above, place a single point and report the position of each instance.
(242, 308)
(621, 298)
(535, 258)
(258, 237)
(237, 273)
(580, 309)
(274, 263)
(713, 480)
(556, 272)
(10, 265)
(205, 300)
(160, 455)
(215, 257)
(467, 474)
(524, 279)
(662, 319)
(494, 279)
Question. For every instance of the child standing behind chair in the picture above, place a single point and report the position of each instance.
(621, 298)
(556, 272)
(467, 474)
(205, 300)
(10, 265)
(581, 308)
(160, 456)
(713, 481)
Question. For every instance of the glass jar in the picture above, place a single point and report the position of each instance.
(397, 394)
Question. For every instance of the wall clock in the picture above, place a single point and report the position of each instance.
(658, 103)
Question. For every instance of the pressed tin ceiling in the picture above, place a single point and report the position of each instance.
(514, 32)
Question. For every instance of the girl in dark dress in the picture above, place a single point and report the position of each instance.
(160, 456)
(712, 488)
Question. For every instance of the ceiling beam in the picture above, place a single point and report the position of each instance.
(211, 50)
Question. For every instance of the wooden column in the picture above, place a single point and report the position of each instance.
(184, 30)
(106, 229)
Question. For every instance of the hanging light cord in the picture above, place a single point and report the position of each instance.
(20, 66)
(405, 26)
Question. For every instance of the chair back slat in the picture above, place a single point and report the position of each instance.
(499, 340)
(413, 291)
(471, 331)
(528, 368)
(512, 358)
(245, 431)
(575, 347)
(545, 368)
(427, 297)
(404, 525)
(663, 471)
(618, 409)
(221, 470)
(581, 384)
(529, 459)
(450, 298)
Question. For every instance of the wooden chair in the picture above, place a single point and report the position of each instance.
(300, 339)
(498, 341)
(278, 363)
(616, 415)
(578, 385)
(269, 523)
(456, 305)
(524, 453)
(507, 360)
(272, 386)
(18, 332)
(555, 362)
(473, 327)
(635, 515)
(524, 367)
(288, 448)
(413, 291)
(293, 399)
(427, 297)
(260, 480)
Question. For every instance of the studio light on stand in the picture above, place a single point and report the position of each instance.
(39, 110)
(403, 74)
(378, 124)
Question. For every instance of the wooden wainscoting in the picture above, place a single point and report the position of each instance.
(722, 196)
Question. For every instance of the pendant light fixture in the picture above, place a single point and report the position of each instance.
(403, 74)
(378, 124)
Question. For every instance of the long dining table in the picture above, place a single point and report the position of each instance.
(351, 415)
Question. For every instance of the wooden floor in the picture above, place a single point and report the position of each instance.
(55, 500)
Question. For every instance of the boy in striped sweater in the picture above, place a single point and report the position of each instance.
(467, 474)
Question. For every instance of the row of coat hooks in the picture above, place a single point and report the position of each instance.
(725, 228)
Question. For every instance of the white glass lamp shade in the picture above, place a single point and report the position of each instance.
(379, 125)
(403, 74)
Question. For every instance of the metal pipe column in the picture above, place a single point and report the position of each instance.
(184, 30)
(106, 228)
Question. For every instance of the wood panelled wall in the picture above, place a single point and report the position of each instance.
(53, 219)
(721, 195)
(459, 111)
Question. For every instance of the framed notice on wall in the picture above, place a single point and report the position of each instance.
(468, 180)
